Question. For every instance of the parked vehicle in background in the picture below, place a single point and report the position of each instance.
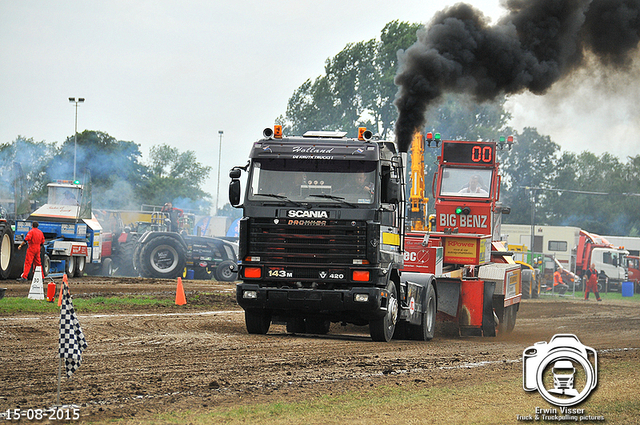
(531, 280)
(594, 249)
(633, 264)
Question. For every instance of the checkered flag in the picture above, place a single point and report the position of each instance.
(72, 341)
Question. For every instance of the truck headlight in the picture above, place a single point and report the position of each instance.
(250, 295)
(361, 298)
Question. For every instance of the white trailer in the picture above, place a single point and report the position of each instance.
(558, 241)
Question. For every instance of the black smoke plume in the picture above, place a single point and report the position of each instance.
(536, 44)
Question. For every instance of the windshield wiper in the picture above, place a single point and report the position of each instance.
(335, 198)
(282, 197)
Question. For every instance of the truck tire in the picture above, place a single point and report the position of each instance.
(136, 260)
(81, 263)
(224, 272)
(6, 250)
(257, 321)
(382, 329)
(70, 265)
(17, 263)
(107, 267)
(527, 279)
(162, 257)
(508, 321)
(46, 265)
(426, 330)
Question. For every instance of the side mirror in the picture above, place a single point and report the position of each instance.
(392, 194)
(235, 173)
(234, 192)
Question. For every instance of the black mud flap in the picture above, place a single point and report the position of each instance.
(448, 292)
(488, 321)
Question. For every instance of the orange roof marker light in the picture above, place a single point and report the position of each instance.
(277, 131)
(364, 135)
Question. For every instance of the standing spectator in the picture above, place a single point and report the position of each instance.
(592, 283)
(35, 239)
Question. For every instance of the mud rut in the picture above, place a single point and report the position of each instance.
(168, 359)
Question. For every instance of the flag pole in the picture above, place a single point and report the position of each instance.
(59, 379)
(64, 282)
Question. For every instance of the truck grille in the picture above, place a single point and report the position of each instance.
(339, 242)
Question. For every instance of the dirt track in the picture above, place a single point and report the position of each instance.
(168, 359)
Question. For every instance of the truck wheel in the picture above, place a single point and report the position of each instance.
(224, 272)
(17, 263)
(107, 267)
(81, 262)
(46, 265)
(257, 321)
(526, 283)
(296, 325)
(425, 331)
(70, 266)
(317, 326)
(382, 329)
(6, 251)
(136, 260)
(162, 257)
(508, 321)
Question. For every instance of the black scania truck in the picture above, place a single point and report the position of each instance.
(322, 234)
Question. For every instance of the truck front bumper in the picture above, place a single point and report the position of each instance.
(365, 303)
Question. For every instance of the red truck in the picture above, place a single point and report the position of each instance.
(595, 249)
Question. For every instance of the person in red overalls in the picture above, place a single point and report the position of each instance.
(592, 283)
(35, 239)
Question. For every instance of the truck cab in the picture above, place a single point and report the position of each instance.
(321, 236)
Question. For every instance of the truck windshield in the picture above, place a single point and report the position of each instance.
(63, 195)
(300, 180)
(466, 182)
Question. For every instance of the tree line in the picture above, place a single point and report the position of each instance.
(600, 194)
(120, 179)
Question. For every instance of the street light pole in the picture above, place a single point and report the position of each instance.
(219, 158)
(75, 134)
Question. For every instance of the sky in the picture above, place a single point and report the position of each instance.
(179, 72)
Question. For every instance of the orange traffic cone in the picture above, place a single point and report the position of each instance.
(180, 298)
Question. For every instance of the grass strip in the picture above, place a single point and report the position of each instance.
(12, 305)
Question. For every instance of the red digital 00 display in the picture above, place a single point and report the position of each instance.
(468, 153)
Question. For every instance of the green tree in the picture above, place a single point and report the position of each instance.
(530, 163)
(356, 90)
(601, 195)
(34, 159)
(176, 177)
(115, 167)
